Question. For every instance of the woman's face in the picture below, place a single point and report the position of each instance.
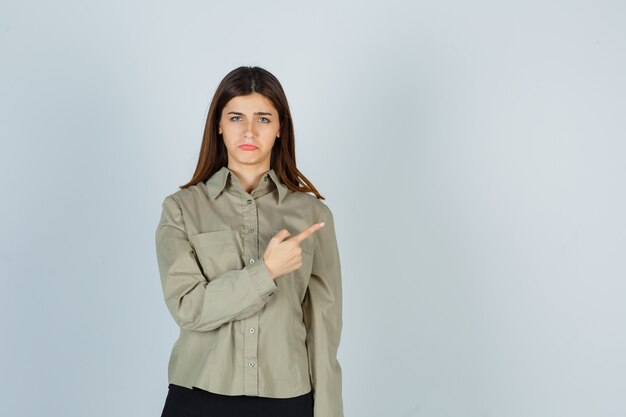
(249, 125)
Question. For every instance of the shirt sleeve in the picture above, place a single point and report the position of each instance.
(194, 302)
(322, 308)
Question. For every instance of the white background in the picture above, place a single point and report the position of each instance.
(473, 155)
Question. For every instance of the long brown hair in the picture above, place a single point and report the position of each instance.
(213, 156)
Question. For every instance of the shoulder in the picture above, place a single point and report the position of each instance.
(187, 196)
(318, 209)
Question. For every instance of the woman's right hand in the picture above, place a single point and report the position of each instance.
(284, 255)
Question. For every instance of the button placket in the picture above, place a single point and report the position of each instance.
(250, 352)
(251, 253)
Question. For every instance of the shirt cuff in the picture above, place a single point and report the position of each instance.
(264, 284)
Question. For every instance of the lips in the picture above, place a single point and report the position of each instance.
(248, 147)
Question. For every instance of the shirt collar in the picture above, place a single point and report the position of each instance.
(217, 182)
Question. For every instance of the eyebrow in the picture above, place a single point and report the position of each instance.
(262, 113)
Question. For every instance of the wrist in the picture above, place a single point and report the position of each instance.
(270, 271)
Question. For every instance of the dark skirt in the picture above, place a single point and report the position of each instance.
(185, 402)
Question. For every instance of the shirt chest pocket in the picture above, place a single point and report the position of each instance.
(216, 252)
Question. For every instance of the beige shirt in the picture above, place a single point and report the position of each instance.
(242, 333)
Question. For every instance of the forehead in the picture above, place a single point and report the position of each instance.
(251, 103)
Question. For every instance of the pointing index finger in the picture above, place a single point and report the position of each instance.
(308, 232)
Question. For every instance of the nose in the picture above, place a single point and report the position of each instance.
(250, 130)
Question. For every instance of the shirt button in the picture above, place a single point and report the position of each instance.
(250, 364)
(251, 261)
(251, 329)
(248, 201)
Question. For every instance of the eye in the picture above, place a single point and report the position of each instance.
(268, 120)
(234, 117)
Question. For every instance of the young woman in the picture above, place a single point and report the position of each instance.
(250, 269)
